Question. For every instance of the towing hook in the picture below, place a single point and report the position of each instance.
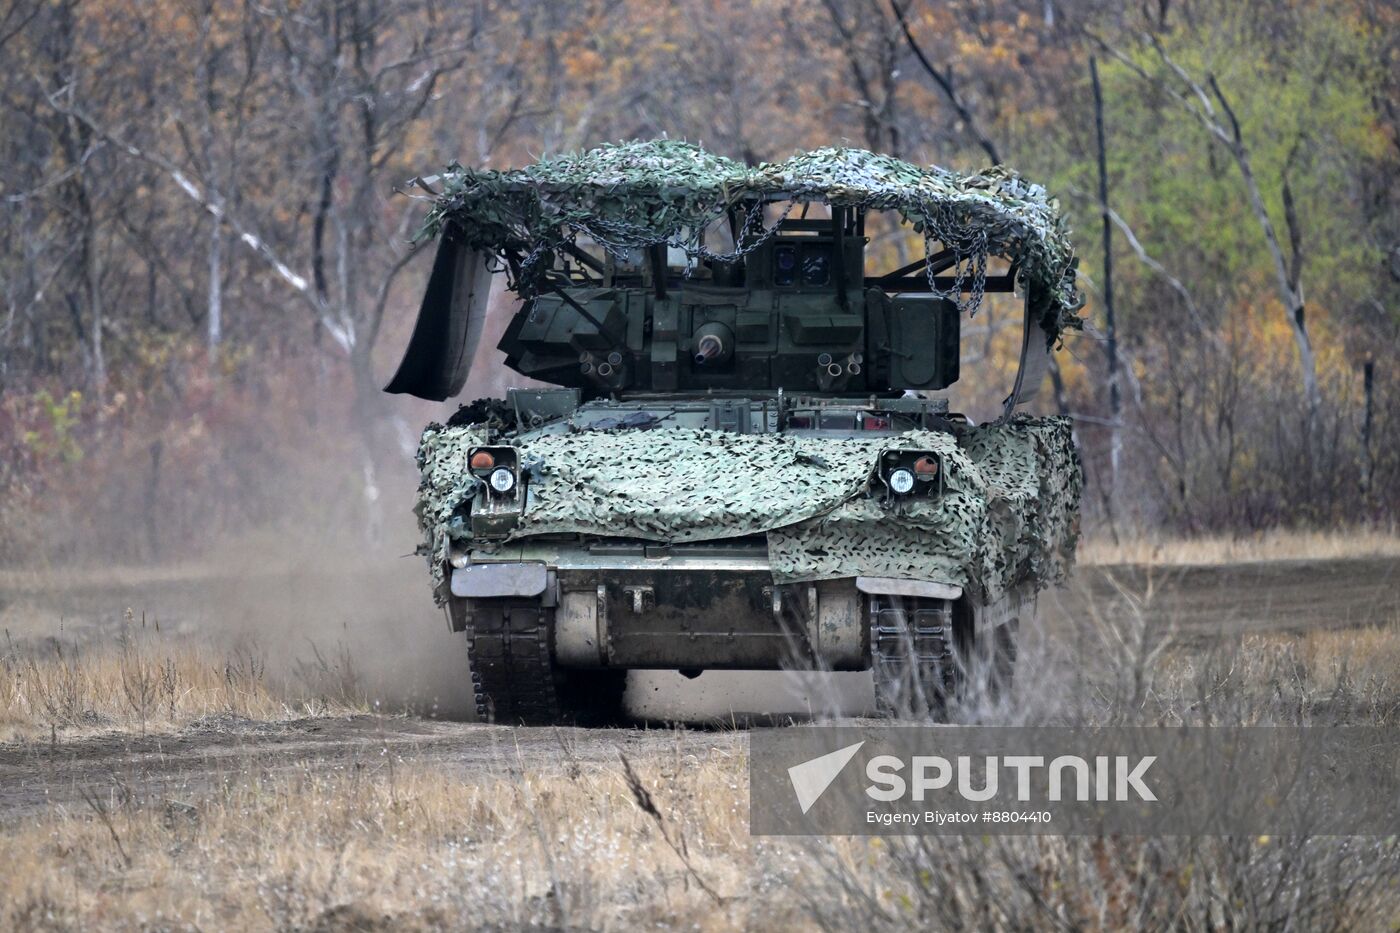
(643, 598)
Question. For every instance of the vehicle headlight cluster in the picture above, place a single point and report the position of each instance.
(496, 467)
(910, 472)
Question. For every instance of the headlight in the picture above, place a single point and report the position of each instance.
(901, 481)
(503, 480)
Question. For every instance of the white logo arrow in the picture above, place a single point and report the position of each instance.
(811, 778)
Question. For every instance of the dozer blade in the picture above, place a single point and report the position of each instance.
(449, 326)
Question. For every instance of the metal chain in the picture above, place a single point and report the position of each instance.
(755, 213)
(970, 254)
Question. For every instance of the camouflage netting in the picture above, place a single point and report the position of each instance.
(636, 194)
(1007, 513)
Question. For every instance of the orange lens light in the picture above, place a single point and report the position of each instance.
(481, 460)
(926, 466)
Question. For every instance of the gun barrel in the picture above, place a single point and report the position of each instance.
(711, 347)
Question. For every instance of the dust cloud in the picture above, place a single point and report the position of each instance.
(373, 615)
(330, 591)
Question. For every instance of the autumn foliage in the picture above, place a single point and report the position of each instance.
(207, 269)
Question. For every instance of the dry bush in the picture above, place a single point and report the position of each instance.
(143, 680)
(1121, 664)
(1276, 544)
(1095, 883)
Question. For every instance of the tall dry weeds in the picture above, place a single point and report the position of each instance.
(1120, 665)
(410, 847)
(140, 679)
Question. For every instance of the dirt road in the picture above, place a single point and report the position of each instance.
(1229, 600)
(180, 768)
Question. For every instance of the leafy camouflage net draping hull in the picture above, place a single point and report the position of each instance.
(1007, 513)
(637, 194)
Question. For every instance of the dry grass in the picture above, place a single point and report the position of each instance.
(383, 845)
(1104, 883)
(141, 680)
(1229, 549)
(1368, 655)
(401, 846)
(1323, 678)
(1127, 669)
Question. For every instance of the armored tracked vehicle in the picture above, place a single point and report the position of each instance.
(733, 453)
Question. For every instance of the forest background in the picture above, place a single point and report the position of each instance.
(208, 266)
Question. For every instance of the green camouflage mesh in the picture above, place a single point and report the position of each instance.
(446, 489)
(637, 194)
(1007, 513)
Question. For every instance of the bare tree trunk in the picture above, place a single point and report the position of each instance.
(1115, 401)
(1289, 275)
(157, 449)
(92, 270)
(215, 322)
(1287, 270)
(944, 80)
(374, 424)
(1368, 385)
(870, 71)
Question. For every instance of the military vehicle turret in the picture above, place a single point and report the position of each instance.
(740, 459)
